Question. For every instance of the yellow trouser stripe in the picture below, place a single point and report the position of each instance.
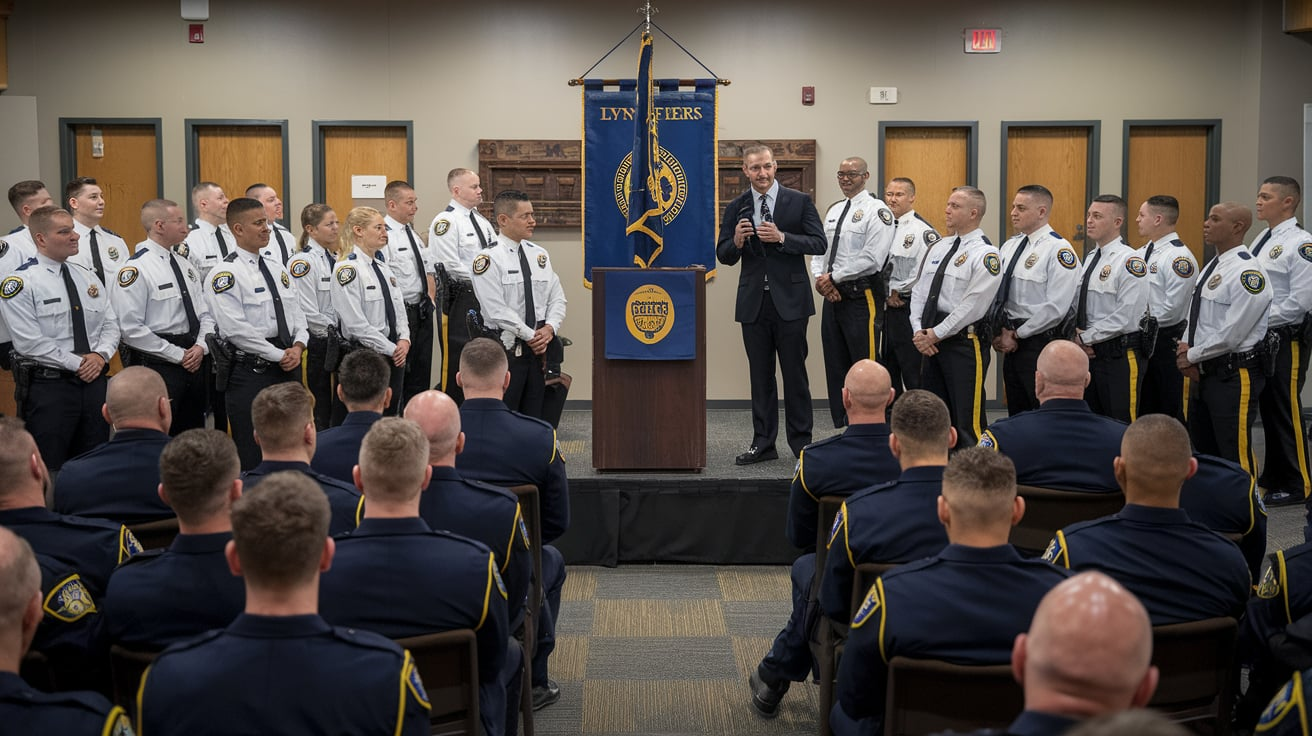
(1184, 400)
(977, 404)
(445, 339)
(305, 368)
(870, 326)
(1296, 417)
(1134, 384)
(1246, 458)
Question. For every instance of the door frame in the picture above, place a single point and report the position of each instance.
(192, 125)
(972, 143)
(1092, 169)
(319, 128)
(68, 146)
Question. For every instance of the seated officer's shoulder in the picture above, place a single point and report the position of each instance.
(368, 640)
(79, 708)
(818, 446)
(492, 492)
(337, 483)
(457, 541)
(188, 644)
(872, 491)
(144, 556)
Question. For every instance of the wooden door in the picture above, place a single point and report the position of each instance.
(127, 172)
(1057, 157)
(357, 150)
(936, 158)
(1179, 160)
(237, 154)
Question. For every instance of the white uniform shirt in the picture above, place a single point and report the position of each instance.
(312, 275)
(499, 286)
(243, 308)
(113, 251)
(1043, 283)
(969, 283)
(203, 249)
(912, 239)
(20, 241)
(400, 256)
(282, 244)
(453, 239)
(148, 302)
(358, 298)
(1118, 293)
(1172, 271)
(1286, 259)
(1232, 313)
(36, 307)
(863, 242)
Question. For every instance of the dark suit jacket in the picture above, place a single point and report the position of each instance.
(790, 282)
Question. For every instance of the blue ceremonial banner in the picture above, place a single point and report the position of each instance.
(685, 176)
(652, 315)
(648, 175)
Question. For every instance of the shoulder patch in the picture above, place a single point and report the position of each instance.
(991, 263)
(1289, 698)
(1136, 266)
(441, 226)
(481, 264)
(1066, 257)
(542, 260)
(523, 533)
(345, 275)
(4, 249)
(222, 281)
(119, 724)
(931, 237)
(885, 216)
(1270, 586)
(987, 440)
(501, 584)
(299, 267)
(1253, 281)
(1183, 267)
(182, 249)
(1053, 551)
(129, 545)
(69, 600)
(10, 287)
(869, 607)
(414, 683)
(1304, 250)
(127, 276)
(838, 523)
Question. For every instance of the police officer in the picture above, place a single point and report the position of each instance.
(102, 251)
(859, 233)
(278, 672)
(893, 522)
(65, 331)
(282, 243)
(412, 264)
(137, 407)
(1111, 300)
(363, 391)
(471, 508)
(520, 295)
(163, 314)
(956, 286)
(1284, 251)
(1222, 349)
(284, 429)
(836, 466)
(23, 708)
(210, 240)
(456, 237)
(1172, 271)
(506, 448)
(451, 582)
(1223, 497)
(984, 593)
(1063, 419)
(1039, 278)
(367, 296)
(911, 240)
(1181, 570)
(1284, 596)
(26, 197)
(256, 314)
(312, 273)
(163, 596)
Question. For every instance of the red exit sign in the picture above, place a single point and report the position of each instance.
(983, 40)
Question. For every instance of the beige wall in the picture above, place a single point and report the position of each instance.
(498, 70)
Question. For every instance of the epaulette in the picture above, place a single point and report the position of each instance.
(986, 240)
(20, 227)
(918, 217)
(1054, 234)
(351, 256)
(193, 226)
(191, 643)
(823, 442)
(368, 640)
(140, 252)
(111, 232)
(1178, 242)
(877, 488)
(144, 556)
(477, 545)
(231, 257)
(1245, 255)
(450, 208)
(499, 491)
(337, 482)
(910, 567)
(102, 524)
(26, 264)
(535, 420)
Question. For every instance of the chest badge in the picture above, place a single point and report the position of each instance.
(93, 291)
(960, 260)
(542, 260)
(909, 240)
(1033, 259)
(1276, 251)
(286, 282)
(113, 253)
(1105, 273)
(856, 216)
(1214, 282)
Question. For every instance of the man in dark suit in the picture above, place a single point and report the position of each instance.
(769, 228)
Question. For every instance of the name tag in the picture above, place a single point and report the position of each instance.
(259, 289)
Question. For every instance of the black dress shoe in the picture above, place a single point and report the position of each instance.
(757, 454)
(544, 695)
(1276, 499)
(765, 698)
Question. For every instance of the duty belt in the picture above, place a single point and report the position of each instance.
(251, 361)
(1047, 335)
(52, 374)
(1231, 363)
(1116, 347)
(856, 288)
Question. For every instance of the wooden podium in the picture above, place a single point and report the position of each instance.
(647, 414)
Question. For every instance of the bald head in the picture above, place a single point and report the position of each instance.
(1062, 371)
(1155, 461)
(867, 392)
(1088, 650)
(439, 418)
(137, 398)
(1226, 225)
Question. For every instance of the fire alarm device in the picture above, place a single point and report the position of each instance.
(808, 95)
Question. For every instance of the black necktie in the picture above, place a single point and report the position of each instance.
(419, 261)
(388, 308)
(1082, 310)
(930, 314)
(1258, 248)
(1196, 304)
(81, 345)
(95, 258)
(482, 239)
(1148, 254)
(284, 332)
(838, 229)
(530, 313)
(765, 211)
(223, 245)
(193, 322)
(282, 244)
(1011, 269)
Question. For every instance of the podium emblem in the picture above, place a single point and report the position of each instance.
(649, 314)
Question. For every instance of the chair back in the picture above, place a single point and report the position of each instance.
(1047, 510)
(1197, 674)
(126, 666)
(448, 664)
(929, 696)
(155, 534)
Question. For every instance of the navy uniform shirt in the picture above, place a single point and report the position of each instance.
(837, 466)
(163, 596)
(1180, 570)
(346, 502)
(26, 710)
(284, 674)
(506, 448)
(1223, 497)
(1062, 446)
(118, 480)
(1029, 723)
(893, 522)
(337, 449)
(486, 514)
(1283, 597)
(92, 547)
(1287, 714)
(965, 605)
(71, 634)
